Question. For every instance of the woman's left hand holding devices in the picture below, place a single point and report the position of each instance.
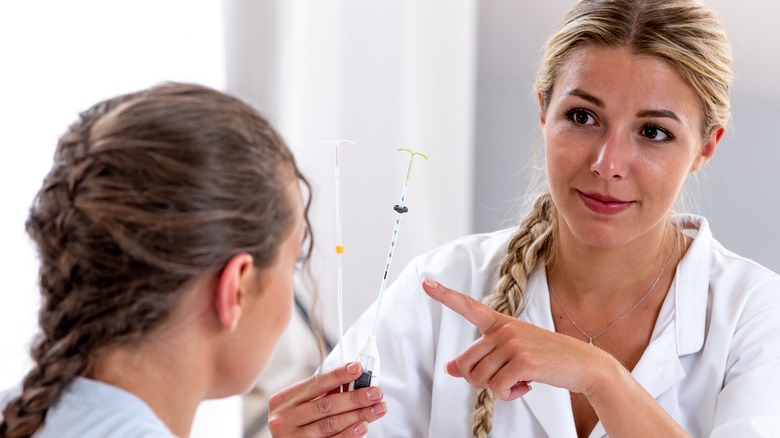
(315, 407)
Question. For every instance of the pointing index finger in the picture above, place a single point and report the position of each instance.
(482, 316)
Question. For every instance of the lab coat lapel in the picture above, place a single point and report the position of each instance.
(551, 406)
(657, 371)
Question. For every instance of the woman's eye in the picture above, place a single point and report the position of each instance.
(657, 134)
(581, 117)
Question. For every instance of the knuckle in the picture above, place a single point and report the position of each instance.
(317, 380)
(469, 301)
(355, 397)
(365, 415)
(275, 400)
(505, 331)
(323, 405)
(328, 426)
(523, 359)
(494, 386)
(474, 382)
(275, 424)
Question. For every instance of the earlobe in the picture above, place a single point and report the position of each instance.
(708, 149)
(228, 300)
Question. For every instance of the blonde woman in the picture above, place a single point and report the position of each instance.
(604, 313)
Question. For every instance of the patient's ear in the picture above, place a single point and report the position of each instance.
(228, 297)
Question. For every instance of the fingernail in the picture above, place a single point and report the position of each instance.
(374, 393)
(361, 429)
(430, 283)
(446, 371)
(379, 409)
(353, 368)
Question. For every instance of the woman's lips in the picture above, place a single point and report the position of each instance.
(603, 204)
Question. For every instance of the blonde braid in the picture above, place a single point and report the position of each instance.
(533, 241)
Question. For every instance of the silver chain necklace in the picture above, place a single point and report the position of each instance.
(641, 300)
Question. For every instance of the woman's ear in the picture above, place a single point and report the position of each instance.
(228, 296)
(708, 148)
(542, 112)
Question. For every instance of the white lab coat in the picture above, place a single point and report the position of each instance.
(713, 361)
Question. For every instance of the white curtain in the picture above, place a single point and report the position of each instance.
(386, 75)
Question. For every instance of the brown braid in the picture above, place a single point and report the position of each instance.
(532, 241)
(147, 192)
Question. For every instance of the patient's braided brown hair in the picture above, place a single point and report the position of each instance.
(148, 191)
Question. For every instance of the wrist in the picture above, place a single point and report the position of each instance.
(604, 378)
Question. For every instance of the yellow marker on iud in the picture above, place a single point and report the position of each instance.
(369, 355)
(339, 245)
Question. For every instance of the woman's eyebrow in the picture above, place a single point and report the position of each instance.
(586, 96)
(658, 113)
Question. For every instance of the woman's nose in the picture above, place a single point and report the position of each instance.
(613, 158)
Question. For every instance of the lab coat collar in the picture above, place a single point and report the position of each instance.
(679, 331)
(691, 285)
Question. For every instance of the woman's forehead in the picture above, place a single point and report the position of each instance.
(618, 76)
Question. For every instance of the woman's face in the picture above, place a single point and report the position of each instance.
(622, 132)
(268, 305)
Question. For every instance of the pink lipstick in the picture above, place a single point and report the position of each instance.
(603, 204)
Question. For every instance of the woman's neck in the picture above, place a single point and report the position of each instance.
(614, 275)
(170, 385)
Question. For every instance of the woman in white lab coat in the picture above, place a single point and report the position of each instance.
(605, 313)
(169, 230)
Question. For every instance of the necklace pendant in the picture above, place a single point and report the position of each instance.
(590, 340)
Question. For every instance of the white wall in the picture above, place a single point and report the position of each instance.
(58, 58)
(384, 74)
(740, 191)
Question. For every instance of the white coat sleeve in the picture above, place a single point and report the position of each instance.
(749, 403)
(406, 343)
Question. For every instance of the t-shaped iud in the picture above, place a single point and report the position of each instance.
(369, 355)
(339, 246)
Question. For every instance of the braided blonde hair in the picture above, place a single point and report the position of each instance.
(148, 191)
(682, 32)
(532, 242)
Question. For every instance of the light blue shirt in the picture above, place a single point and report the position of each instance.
(91, 409)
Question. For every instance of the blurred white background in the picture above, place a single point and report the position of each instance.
(58, 58)
(449, 78)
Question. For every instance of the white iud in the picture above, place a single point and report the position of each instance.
(369, 354)
(339, 245)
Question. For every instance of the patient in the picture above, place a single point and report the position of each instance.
(169, 229)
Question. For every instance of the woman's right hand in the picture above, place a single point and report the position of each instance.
(315, 407)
